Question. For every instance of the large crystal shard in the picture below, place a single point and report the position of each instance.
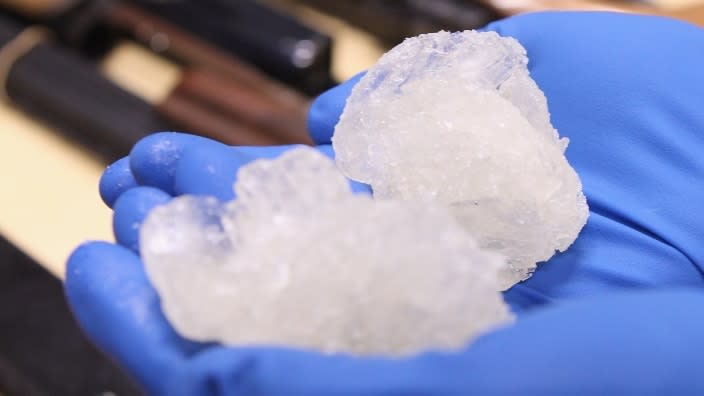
(456, 119)
(299, 260)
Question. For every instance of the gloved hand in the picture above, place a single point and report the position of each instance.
(620, 313)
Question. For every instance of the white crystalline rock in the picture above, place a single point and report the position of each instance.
(456, 118)
(299, 260)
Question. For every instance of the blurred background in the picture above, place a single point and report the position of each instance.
(82, 80)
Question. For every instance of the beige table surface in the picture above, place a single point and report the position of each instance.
(48, 193)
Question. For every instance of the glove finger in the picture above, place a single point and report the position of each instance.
(212, 169)
(326, 110)
(119, 310)
(116, 179)
(131, 209)
(153, 159)
(646, 343)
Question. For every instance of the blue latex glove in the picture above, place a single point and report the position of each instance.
(621, 313)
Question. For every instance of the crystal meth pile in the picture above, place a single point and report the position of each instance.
(455, 118)
(299, 260)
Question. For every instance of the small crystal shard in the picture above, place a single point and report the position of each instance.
(456, 119)
(299, 260)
